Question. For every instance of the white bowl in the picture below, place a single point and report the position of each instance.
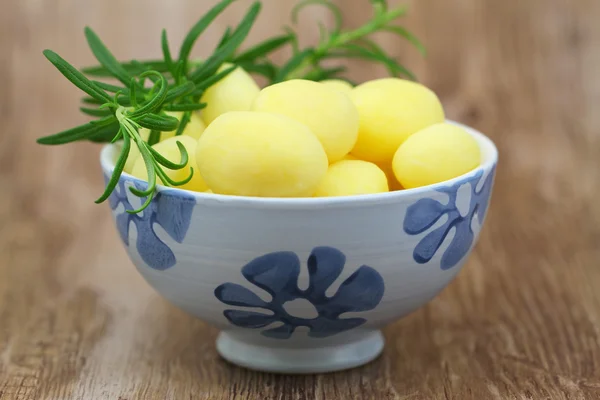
(303, 285)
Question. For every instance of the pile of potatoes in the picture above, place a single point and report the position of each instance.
(316, 139)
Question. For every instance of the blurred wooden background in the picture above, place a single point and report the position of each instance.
(522, 321)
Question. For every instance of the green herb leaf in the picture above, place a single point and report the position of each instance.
(167, 52)
(327, 73)
(215, 78)
(266, 69)
(155, 102)
(123, 101)
(262, 49)
(105, 57)
(132, 68)
(80, 132)
(293, 63)
(150, 169)
(184, 107)
(213, 63)
(184, 157)
(133, 95)
(76, 77)
(161, 123)
(335, 10)
(168, 181)
(185, 119)
(393, 67)
(225, 37)
(105, 134)
(154, 137)
(199, 28)
(179, 91)
(96, 112)
(111, 88)
(114, 179)
(402, 32)
(91, 100)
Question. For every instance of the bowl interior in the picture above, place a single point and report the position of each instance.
(489, 157)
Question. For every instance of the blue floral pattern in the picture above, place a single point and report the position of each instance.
(422, 215)
(170, 209)
(277, 273)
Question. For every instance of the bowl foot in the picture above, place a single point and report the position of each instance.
(301, 360)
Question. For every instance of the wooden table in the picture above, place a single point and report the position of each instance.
(522, 321)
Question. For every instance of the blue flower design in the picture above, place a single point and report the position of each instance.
(170, 209)
(277, 273)
(422, 215)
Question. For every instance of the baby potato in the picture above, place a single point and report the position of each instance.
(352, 177)
(328, 113)
(134, 153)
(338, 84)
(262, 155)
(391, 177)
(168, 149)
(393, 183)
(235, 92)
(194, 128)
(436, 154)
(390, 111)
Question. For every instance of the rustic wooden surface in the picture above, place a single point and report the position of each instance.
(522, 321)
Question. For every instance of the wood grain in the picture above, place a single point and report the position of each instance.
(521, 322)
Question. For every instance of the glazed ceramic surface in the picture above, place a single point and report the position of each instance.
(303, 285)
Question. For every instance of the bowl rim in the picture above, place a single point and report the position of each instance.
(486, 144)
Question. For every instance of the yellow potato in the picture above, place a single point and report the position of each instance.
(389, 172)
(168, 149)
(328, 113)
(262, 155)
(338, 84)
(235, 92)
(390, 111)
(134, 153)
(436, 154)
(352, 177)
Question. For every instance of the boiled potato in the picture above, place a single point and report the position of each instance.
(390, 111)
(436, 154)
(352, 177)
(328, 113)
(393, 183)
(338, 84)
(134, 153)
(262, 155)
(235, 92)
(168, 149)
(391, 177)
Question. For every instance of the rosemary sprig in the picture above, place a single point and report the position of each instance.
(143, 91)
(337, 43)
(123, 109)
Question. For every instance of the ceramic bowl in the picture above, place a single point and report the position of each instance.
(303, 285)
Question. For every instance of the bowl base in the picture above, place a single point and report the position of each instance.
(301, 360)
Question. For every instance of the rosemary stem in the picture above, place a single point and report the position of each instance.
(383, 18)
